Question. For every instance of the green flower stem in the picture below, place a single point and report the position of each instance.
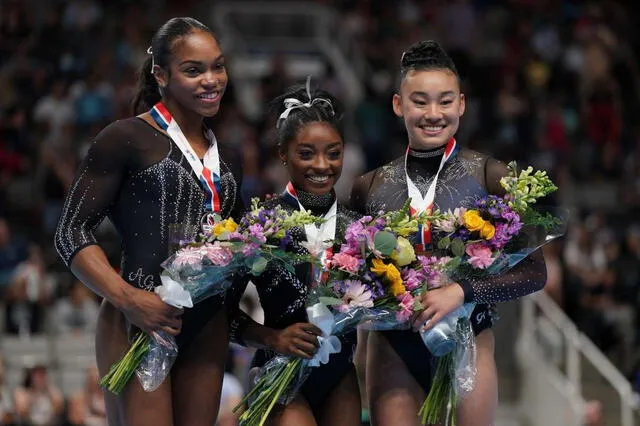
(441, 395)
(269, 389)
(121, 372)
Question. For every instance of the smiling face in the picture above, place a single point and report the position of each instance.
(314, 157)
(197, 77)
(431, 104)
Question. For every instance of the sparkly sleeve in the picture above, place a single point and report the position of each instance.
(527, 277)
(359, 193)
(93, 191)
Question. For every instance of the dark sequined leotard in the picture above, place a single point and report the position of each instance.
(283, 297)
(466, 177)
(138, 178)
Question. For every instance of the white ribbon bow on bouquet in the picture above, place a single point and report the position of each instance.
(320, 316)
(172, 293)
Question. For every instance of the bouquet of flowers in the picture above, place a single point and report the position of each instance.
(488, 239)
(361, 283)
(203, 268)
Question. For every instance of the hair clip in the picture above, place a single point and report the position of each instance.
(153, 62)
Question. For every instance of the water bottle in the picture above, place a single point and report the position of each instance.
(441, 338)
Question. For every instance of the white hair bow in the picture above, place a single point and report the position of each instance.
(292, 103)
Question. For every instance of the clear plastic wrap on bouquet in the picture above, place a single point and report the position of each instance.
(280, 379)
(204, 271)
(464, 360)
(274, 369)
(157, 362)
(440, 339)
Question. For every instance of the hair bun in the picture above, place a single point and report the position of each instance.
(426, 54)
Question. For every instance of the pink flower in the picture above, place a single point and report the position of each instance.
(406, 307)
(346, 262)
(218, 255)
(188, 256)
(356, 295)
(480, 256)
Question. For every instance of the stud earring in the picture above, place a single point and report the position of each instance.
(284, 163)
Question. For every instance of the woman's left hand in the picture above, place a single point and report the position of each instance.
(437, 304)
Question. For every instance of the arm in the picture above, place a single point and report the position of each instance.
(525, 278)
(296, 340)
(90, 197)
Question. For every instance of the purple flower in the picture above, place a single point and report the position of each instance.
(412, 278)
(501, 236)
(354, 233)
(257, 231)
(380, 223)
(250, 248)
(284, 242)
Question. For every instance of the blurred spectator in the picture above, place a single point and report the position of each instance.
(55, 175)
(6, 404)
(54, 111)
(81, 15)
(555, 273)
(76, 313)
(594, 413)
(37, 401)
(232, 393)
(13, 251)
(29, 295)
(87, 408)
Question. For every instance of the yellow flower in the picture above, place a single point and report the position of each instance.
(397, 288)
(379, 267)
(230, 225)
(473, 221)
(488, 231)
(225, 226)
(391, 273)
(404, 254)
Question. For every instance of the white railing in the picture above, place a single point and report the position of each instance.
(550, 349)
(285, 20)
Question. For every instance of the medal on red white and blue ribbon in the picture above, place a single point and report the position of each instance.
(425, 204)
(208, 173)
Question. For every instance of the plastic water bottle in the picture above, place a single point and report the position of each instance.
(441, 338)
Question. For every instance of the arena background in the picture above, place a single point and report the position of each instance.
(550, 83)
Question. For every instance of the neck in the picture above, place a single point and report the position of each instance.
(317, 203)
(426, 147)
(190, 122)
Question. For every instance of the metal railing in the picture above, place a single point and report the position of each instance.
(552, 351)
(258, 29)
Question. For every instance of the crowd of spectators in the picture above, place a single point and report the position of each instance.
(553, 84)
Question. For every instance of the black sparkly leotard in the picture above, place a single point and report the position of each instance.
(466, 177)
(283, 297)
(138, 178)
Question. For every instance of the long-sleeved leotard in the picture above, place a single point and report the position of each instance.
(283, 297)
(138, 178)
(466, 177)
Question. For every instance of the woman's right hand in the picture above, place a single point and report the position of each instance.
(148, 312)
(300, 340)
